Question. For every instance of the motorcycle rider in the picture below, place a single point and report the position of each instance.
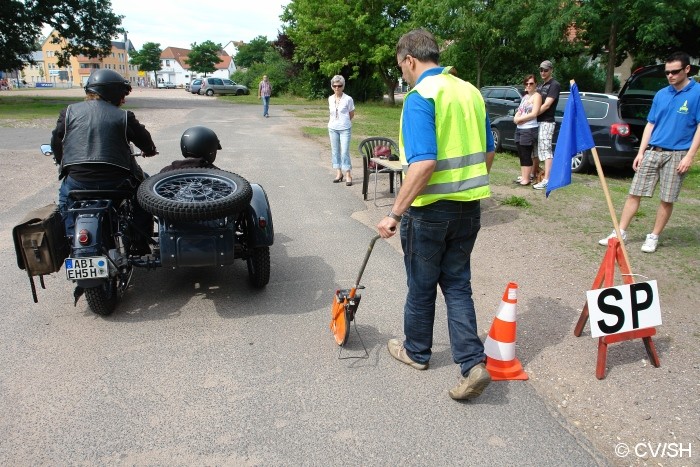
(198, 145)
(91, 144)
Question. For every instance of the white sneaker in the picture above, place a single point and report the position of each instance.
(542, 185)
(604, 241)
(650, 243)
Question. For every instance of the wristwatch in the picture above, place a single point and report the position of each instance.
(396, 217)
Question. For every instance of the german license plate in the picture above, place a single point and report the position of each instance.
(86, 268)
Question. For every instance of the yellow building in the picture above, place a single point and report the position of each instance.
(46, 69)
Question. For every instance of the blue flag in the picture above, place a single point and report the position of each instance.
(574, 137)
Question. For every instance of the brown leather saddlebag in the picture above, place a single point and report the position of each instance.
(40, 244)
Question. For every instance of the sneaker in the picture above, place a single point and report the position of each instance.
(604, 241)
(650, 243)
(473, 385)
(542, 185)
(398, 351)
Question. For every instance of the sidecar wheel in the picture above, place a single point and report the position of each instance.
(102, 300)
(192, 195)
(259, 267)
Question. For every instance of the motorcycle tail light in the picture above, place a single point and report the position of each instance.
(621, 129)
(262, 223)
(83, 237)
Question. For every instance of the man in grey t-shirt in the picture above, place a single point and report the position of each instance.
(549, 90)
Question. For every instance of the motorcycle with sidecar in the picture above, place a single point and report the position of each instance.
(202, 217)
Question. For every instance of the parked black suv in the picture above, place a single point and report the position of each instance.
(616, 144)
(617, 122)
(500, 100)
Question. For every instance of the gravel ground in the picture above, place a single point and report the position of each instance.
(636, 406)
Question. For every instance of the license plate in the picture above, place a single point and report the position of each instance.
(86, 268)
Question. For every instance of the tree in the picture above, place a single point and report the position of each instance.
(473, 28)
(148, 59)
(354, 35)
(252, 52)
(204, 57)
(84, 27)
(646, 29)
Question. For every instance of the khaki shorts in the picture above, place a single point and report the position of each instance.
(659, 167)
(544, 141)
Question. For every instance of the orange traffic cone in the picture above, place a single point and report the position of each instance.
(500, 343)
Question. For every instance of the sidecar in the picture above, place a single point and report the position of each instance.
(208, 217)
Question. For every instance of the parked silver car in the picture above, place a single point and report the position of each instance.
(194, 86)
(211, 86)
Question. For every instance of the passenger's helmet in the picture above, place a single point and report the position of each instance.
(109, 85)
(200, 141)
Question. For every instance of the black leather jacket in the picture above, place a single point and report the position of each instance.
(91, 139)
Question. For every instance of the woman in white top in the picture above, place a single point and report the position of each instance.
(526, 132)
(342, 110)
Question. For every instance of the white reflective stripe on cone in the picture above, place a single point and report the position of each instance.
(506, 312)
(499, 350)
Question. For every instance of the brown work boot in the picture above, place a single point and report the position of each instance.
(473, 385)
(398, 351)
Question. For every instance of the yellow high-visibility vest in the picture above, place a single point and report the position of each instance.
(460, 127)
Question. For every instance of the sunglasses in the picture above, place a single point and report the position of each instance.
(336, 85)
(544, 69)
(673, 72)
(529, 84)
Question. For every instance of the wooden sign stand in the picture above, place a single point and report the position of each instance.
(604, 279)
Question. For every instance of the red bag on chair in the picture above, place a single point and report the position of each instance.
(382, 152)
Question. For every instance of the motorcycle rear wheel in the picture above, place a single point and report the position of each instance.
(103, 299)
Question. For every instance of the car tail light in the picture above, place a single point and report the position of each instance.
(83, 237)
(262, 223)
(621, 129)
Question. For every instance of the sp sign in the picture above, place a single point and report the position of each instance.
(625, 308)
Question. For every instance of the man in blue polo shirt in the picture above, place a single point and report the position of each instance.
(446, 148)
(670, 140)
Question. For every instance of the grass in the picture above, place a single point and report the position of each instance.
(32, 107)
(579, 211)
(516, 201)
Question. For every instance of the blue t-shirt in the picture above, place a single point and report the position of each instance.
(675, 115)
(419, 137)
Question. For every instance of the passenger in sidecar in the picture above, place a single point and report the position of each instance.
(207, 216)
(198, 145)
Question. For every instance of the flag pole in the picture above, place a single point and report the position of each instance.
(611, 208)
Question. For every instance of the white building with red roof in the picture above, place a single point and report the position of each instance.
(174, 67)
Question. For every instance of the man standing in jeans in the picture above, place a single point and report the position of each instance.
(549, 90)
(264, 93)
(446, 143)
(670, 140)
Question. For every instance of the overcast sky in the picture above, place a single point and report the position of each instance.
(179, 23)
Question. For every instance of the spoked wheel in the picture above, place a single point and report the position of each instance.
(259, 266)
(580, 163)
(193, 195)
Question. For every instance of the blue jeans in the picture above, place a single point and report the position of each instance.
(266, 105)
(340, 149)
(437, 242)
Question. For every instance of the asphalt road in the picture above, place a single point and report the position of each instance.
(197, 368)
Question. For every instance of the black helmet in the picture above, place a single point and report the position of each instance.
(200, 141)
(109, 85)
